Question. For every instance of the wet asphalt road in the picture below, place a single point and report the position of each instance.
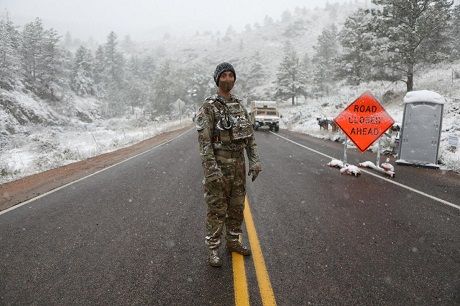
(133, 234)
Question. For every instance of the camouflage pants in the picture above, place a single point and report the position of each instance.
(225, 200)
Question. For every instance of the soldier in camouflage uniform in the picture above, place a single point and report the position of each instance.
(224, 132)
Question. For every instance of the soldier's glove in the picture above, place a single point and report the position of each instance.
(254, 171)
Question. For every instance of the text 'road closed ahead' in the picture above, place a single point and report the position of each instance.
(364, 121)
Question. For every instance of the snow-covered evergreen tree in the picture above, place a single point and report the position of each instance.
(99, 65)
(114, 61)
(324, 60)
(41, 59)
(68, 41)
(136, 89)
(198, 88)
(31, 50)
(50, 64)
(82, 81)
(286, 16)
(127, 44)
(147, 68)
(295, 29)
(455, 32)
(67, 64)
(257, 71)
(268, 21)
(109, 77)
(9, 54)
(163, 88)
(306, 68)
(355, 62)
(411, 32)
(291, 79)
(99, 72)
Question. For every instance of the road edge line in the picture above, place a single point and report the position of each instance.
(85, 177)
(263, 279)
(378, 176)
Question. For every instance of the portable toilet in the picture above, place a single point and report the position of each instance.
(421, 128)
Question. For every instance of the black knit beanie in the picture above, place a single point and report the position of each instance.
(221, 68)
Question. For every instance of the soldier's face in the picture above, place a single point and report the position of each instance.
(226, 81)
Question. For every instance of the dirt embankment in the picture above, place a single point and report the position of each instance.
(21, 190)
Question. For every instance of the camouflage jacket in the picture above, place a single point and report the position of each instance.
(214, 118)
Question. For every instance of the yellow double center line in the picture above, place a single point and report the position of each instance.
(239, 272)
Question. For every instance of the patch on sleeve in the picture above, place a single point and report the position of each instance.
(200, 122)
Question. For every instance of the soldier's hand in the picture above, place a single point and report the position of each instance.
(254, 171)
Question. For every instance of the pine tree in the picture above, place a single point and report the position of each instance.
(355, 62)
(291, 79)
(455, 32)
(99, 66)
(163, 88)
(109, 76)
(324, 60)
(229, 34)
(82, 81)
(31, 50)
(411, 32)
(198, 86)
(114, 61)
(286, 16)
(247, 28)
(295, 29)
(147, 68)
(9, 54)
(136, 88)
(41, 59)
(257, 71)
(306, 68)
(67, 65)
(50, 64)
(68, 42)
(127, 45)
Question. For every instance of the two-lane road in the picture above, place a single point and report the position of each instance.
(133, 234)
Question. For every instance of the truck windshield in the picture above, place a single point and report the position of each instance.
(266, 112)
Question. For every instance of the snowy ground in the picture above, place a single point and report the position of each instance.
(302, 117)
(33, 148)
(49, 148)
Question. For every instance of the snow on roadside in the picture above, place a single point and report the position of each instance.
(38, 137)
(49, 148)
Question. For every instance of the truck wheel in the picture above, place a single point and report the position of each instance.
(277, 128)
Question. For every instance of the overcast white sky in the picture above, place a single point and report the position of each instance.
(140, 18)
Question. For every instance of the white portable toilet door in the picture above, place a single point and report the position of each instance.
(421, 133)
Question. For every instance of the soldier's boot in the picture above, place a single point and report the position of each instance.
(238, 247)
(214, 259)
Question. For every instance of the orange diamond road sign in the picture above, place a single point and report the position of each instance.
(364, 121)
